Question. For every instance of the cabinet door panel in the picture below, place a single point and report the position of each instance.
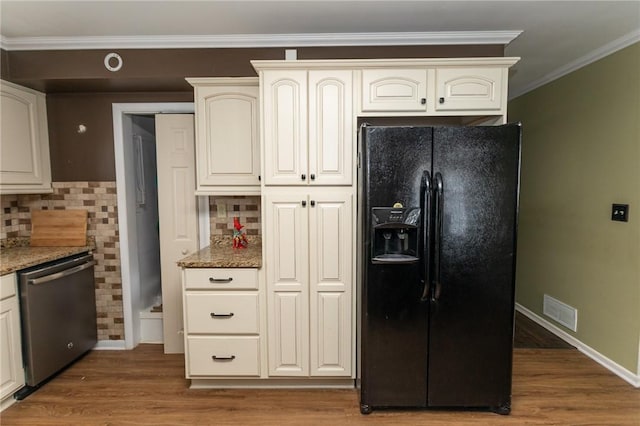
(330, 271)
(330, 344)
(286, 225)
(24, 141)
(394, 90)
(288, 339)
(462, 89)
(285, 127)
(330, 127)
(228, 140)
(287, 284)
(11, 370)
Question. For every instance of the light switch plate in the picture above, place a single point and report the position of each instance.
(221, 209)
(620, 212)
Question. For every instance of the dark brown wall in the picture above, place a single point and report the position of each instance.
(4, 64)
(80, 90)
(147, 70)
(89, 156)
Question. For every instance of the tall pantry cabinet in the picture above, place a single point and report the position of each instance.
(308, 203)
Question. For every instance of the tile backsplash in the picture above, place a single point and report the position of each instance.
(99, 199)
(246, 208)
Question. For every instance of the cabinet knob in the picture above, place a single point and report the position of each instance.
(259, 177)
(304, 203)
(423, 101)
(441, 100)
(312, 176)
(185, 251)
(303, 176)
(313, 203)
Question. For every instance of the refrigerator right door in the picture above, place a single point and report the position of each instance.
(472, 306)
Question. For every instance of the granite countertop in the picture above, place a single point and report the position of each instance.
(221, 254)
(16, 254)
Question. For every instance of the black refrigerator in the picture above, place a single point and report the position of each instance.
(439, 210)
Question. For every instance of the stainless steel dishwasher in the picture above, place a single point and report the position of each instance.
(58, 314)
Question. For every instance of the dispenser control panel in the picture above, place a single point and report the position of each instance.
(394, 234)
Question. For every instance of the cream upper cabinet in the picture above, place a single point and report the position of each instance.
(24, 141)
(308, 126)
(227, 135)
(434, 87)
(284, 113)
(330, 127)
(470, 88)
(394, 90)
(309, 282)
(11, 370)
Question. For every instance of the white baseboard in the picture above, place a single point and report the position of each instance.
(151, 327)
(272, 383)
(7, 402)
(110, 345)
(617, 369)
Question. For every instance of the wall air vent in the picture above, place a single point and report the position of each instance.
(560, 312)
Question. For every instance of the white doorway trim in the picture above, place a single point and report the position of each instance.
(125, 217)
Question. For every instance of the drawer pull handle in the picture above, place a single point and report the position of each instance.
(223, 358)
(214, 315)
(220, 280)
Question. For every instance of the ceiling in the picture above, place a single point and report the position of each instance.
(552, 37)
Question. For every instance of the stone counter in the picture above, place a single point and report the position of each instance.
(221, 254)
(14, 258)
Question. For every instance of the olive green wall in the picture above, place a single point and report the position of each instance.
(580, 154)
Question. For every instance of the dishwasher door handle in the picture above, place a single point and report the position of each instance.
(61, 274)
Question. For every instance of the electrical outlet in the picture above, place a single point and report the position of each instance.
(620, 212)
(221, 209)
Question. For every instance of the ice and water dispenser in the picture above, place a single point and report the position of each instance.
(395, 234)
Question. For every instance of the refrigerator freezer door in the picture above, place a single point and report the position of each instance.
(471, 319)
(394, 320)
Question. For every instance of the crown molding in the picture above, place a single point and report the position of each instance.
(259, 40)
(593, 56)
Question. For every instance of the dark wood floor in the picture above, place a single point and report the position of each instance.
(528, 334)
(146, 387)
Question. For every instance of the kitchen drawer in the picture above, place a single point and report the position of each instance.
(7, 286)
(221, 279)
(236, 356)
(222, 313)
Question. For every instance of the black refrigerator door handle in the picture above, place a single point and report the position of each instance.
(439, 190)
(426, 237)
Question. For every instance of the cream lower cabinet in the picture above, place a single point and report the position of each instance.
(309, 282)
(11, 369)
(222, 323)
(24, 141)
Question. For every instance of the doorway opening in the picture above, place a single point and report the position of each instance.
(138, 224)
